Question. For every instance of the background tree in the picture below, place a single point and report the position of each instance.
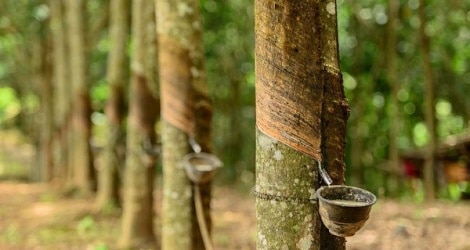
(186, 113)
(429, 105)
(80, 151)
(112, 161)
(61, 86)
(42, 69)
(301, 114)
(137, 218)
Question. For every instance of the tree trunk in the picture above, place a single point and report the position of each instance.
(393, 154)
(234, 138)
(186, 111)
(137, 221)
(61, 87)
(41, 68)
(83, 172)
(47, 105)
(176, 203)
(429, 163)
(301, 114)
(108, 182)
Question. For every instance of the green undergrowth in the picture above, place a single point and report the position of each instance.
(16, 156)
(86, 233)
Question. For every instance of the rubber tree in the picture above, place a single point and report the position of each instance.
(61, 86)
(301, 116)
(429, 187)
(112, 161)
(144, 109)
(79, 148)
(186, 112)
(42, 68)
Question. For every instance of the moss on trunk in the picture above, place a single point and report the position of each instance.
(286, 180)
(176, 207)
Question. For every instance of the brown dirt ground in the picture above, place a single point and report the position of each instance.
(33, 216)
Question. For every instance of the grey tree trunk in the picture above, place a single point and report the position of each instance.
(80, 154)
(138, 212)
(296, 66)
(176, 203)
(429, 187)
(112, 161)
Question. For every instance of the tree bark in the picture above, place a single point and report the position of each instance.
(43, 76)
(61, 87)
(429, 187)
(181, 62)
(138, 212)
(81, 159)
(297, 63)
(176, 203)
(108, 182)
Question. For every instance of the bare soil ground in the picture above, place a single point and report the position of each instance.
(34, 216)
(403, 225)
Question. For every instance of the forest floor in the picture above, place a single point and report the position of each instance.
(34, 216)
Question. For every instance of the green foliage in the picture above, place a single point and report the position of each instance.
(48, 197)
(454, 191)
(9, 104)
(53, 234)
(12, 235)
(99, 94)
(101, 246)
(362, 38)
(229, 44)
(86, 225)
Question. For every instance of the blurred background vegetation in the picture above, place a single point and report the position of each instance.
(229, 48)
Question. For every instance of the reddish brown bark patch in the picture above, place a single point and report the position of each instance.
(290, 75)
(144, 106)
(116, 106)
(175, 75)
